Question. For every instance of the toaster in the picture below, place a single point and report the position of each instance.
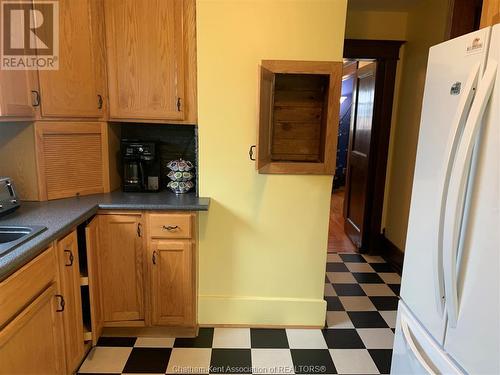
(8, 198)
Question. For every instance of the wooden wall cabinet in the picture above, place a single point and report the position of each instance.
(16, 95)
(31, 329)
(491, 13)
(69, 280)
(17, 89)
(299, 111)
(61, 159)
(121, 253)
(77, 88)
(151, 60)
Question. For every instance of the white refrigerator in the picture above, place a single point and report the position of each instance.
(448, 315)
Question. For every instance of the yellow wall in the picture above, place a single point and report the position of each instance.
(363, 24)
(426, 27)
(263, 241)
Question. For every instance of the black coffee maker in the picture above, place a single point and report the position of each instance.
(141, 169)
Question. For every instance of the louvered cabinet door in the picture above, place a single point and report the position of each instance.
(72, 159)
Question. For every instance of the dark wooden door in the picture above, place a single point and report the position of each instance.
(355, 212)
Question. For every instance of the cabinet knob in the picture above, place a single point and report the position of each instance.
(71, 258)
(171, 228)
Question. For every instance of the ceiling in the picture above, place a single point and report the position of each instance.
(382, 5)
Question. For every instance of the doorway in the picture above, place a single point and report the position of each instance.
(364, 128)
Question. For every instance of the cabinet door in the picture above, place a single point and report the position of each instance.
(32, 343)
(96, 313)
(16, 99)
(15, 94)
(145, 49)
(72, 90)
(69, 271)
(173, 288)
(72, 159)
(121, 255)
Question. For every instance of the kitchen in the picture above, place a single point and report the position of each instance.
(230, 252)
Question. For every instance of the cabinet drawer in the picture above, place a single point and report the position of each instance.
(25, 284)
(170, 225)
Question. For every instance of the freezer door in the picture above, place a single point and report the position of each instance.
(474, 339)
(453, 71)
(415, 352)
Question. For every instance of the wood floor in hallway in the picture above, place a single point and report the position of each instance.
(337, 239)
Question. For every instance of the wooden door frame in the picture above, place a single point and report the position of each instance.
(386, 54)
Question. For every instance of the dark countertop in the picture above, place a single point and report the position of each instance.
(60, 216)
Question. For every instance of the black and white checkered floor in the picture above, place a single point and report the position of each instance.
(361, 292)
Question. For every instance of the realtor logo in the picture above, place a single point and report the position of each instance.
(29, 35)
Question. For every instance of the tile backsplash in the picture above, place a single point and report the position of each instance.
(174, 142)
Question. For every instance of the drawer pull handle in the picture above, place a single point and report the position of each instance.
(154, 257)
(171, 228)
(71, 258)
(62, 303)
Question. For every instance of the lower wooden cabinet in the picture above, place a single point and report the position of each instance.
(146, 266)
(69, 277)
(32, 343)
(121, 267)
(94, 278)
(172, 283)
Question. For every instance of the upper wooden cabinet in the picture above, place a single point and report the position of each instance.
(16, 95)
(491, 13)
(299, 111)
(61, 159)
(151, 60)
(77, 88)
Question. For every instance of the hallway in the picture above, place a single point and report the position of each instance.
(337, 239)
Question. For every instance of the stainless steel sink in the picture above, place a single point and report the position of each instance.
(11, 236)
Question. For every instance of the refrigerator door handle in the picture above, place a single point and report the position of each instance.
(458, 124)
(413, 347)
(456, 198)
